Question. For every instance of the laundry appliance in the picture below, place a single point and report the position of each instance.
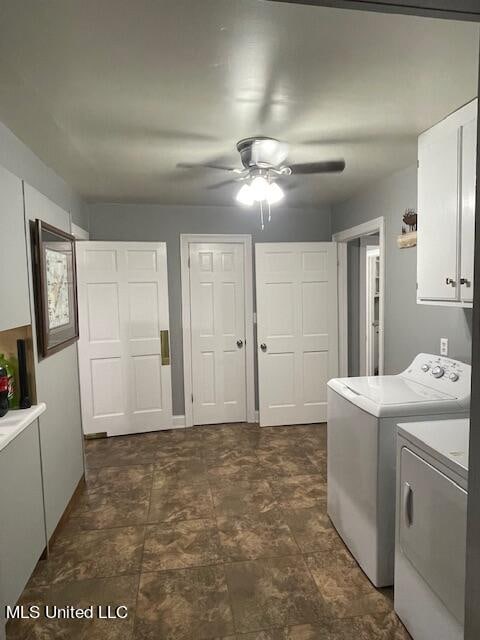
(431, 528)
(362, 417)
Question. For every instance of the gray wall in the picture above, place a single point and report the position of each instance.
(409, 328)
(157, 223)
(57, 381)
(20, 160)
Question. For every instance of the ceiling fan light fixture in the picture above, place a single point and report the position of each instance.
(275, 193)
(245, 195)
(260, 188)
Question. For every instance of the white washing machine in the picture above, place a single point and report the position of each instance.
(431, 528)
(362, 417)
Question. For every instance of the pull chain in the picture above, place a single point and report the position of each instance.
(261, 215)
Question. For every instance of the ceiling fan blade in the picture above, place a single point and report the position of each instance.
(218, 185)
(329, 166)
(204, 165)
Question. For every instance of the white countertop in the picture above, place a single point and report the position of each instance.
(17, 420)
(445, 440)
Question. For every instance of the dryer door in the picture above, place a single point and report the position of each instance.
(433, 523)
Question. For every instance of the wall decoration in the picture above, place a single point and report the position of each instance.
(409, 221)
(55, 281)
(408, 238)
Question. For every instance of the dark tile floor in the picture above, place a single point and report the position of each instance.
(215, 532)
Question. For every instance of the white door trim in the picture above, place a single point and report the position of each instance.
(369, 308)
(185, 241)
(377, 225)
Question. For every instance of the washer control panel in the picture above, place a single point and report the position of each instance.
(438, 372)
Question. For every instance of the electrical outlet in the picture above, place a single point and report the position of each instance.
(444, 346)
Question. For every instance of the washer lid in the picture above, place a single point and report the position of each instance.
(394, 390)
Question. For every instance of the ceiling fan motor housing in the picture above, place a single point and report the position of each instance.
(262, 152)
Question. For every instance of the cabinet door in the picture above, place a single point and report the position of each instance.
(469, 171)
(22, 530)
(13, 261)
(438, 214)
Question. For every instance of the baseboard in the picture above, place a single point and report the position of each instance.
(71, 504)
(178, 422)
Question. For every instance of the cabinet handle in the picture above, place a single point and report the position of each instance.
(450, 281)
(466, 282)
(407, 504)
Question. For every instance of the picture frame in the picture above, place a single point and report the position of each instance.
(55, 282)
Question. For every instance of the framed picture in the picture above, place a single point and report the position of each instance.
(55, 280)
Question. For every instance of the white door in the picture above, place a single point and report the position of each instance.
(217, 309)
(297, 330)
(125, 377)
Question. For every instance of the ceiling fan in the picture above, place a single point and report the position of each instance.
(264, 163)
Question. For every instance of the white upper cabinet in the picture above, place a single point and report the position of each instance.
(469, 170)
(14, 294)
(446, 209)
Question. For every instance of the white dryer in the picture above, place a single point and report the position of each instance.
(362, 417)
(431, 528)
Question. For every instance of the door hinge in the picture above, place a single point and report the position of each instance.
(188, 262)
(192, 398)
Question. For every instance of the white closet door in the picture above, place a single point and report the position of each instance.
(297, 330)
(217, 308)
(125, 378)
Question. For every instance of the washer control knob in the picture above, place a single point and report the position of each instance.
(438, 372)
(454, 377)
(425, 367)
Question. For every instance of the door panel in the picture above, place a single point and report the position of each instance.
(123, 306)
(147, 374)
(217, 316)
(297, 330)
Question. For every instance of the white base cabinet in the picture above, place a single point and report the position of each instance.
(446, 209)
(22, 526)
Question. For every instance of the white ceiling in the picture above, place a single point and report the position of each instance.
(112, 94)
